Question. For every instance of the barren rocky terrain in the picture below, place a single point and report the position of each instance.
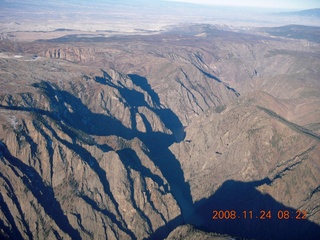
(144, 136)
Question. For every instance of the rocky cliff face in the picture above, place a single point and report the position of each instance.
(72, 163)
(130, 137)
(248, 138)
(191, 233)
(179, 78)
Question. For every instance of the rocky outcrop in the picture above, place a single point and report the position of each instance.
(191, 233)
(72, 54)
(72, 163)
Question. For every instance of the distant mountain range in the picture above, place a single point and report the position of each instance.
(309, 33)
(315, 12)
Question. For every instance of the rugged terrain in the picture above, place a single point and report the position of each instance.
(132, 136)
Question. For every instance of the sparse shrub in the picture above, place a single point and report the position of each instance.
(220, 108)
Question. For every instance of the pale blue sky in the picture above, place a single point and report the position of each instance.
(284, 4)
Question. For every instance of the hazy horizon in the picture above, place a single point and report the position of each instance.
(137, 15)
(271, 4)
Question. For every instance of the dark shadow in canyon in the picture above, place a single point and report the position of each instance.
(80, 122)
(158, 143)
(130, 159)
(135, 99)
(4, 207)
(11, 232)
(143, 83)
(209, 75)
(243, 196)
